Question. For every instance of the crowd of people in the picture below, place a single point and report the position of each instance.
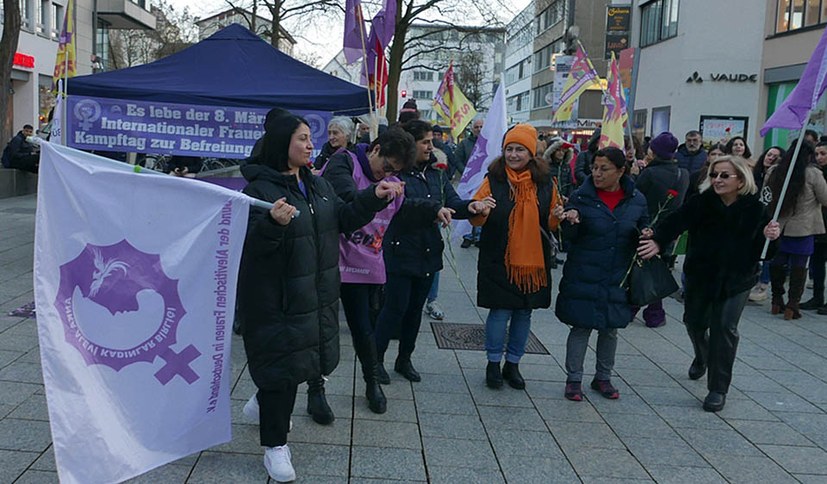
(362, 226)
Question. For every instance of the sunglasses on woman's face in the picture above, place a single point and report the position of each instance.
(722, 175)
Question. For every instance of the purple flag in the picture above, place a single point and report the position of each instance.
(793, 112)
(354, 39)
(384, 23)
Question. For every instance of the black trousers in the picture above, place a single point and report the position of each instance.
(404, 299)
(29, 163)
(360, 303)
(712, 325)
(275, 408)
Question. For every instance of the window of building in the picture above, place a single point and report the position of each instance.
(549, 17)
(540, 94)
(57, 20)
(43, 17)
(660, 119)
(423, 94)
(639, 125)
(542, 58)
(659, 21)
(796, 14)
(102, 44)
(423, 75)
(26, 14)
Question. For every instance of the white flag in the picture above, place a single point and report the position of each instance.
(487, 148)
(135, 278)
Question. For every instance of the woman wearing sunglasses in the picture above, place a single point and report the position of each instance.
(361, 265)
(800, 220)
(727, 225)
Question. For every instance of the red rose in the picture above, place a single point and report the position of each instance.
(728, 130)
(672, 193)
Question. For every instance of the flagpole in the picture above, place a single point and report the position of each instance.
(365, 65)
(789, 176)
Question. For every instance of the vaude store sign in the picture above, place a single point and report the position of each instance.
(723, 77)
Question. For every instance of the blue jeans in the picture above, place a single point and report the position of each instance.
(765, 273)
(434, 292)
(495, 332)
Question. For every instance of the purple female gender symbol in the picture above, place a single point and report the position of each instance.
(112, 276)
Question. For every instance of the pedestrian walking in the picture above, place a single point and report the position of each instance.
(361, 264)
(767, 159)
(288, 285)
(800, 221)
(602, 221)
(737, 146)
(664, 184)
(819, 257)
(412, 248)
(727, 225)
(691, 155)
(513, 267)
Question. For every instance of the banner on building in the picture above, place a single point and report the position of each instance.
(135, 278)
(172, 129)
(618, 29)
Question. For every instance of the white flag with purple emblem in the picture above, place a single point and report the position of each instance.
(135, 278)
(487, 148)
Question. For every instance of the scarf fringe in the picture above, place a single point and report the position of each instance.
(528, 279)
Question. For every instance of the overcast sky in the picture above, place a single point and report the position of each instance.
(323, 39)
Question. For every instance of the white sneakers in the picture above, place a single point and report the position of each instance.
(759, 293)
(276, 459)
(278, 465)
(434, 311)
(251, 409)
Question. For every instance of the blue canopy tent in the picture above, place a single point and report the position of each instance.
(233, 67)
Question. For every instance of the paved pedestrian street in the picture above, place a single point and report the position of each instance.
(450, 428)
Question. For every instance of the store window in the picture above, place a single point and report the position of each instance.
(783, 137)
(659, 21)
(45, 98)
(797, 14)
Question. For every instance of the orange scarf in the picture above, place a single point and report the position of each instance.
(524, 259)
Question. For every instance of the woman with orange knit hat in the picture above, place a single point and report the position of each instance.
(513, 277)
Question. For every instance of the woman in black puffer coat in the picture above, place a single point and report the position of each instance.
(602, 222)
(288, 284)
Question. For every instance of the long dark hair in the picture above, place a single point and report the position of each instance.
(276, 146)
(797, 181)
(758, 171)
(540, 171)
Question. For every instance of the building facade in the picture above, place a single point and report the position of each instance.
(41, 22)
(552, 20)
(519, 48)
(263, 27)
(792, 30)
(696, 71)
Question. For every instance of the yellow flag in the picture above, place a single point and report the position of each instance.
(581, 76)
(452, 105)
(66, 61)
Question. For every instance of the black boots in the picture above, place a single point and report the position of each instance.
(700, 346)
(778, 275)
(405, 368)
(493, 376)
(317, 403)
(714, 401)
(798, 280)
(814, 302)
(366, 352)
(511, 374)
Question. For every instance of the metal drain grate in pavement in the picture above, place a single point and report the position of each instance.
(455, 336)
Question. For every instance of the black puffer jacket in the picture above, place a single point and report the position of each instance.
(288, 284)
(601, 248)
(725, 242)
(494, 290)
(413, 244)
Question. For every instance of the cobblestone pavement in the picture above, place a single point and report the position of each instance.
(451, 428)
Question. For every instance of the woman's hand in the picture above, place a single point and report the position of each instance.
(389, 190)
(557, 212)
(772, 231)
(444, 216)
(573, 216)
(482, 207)
(282, 212)
(648, 248)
